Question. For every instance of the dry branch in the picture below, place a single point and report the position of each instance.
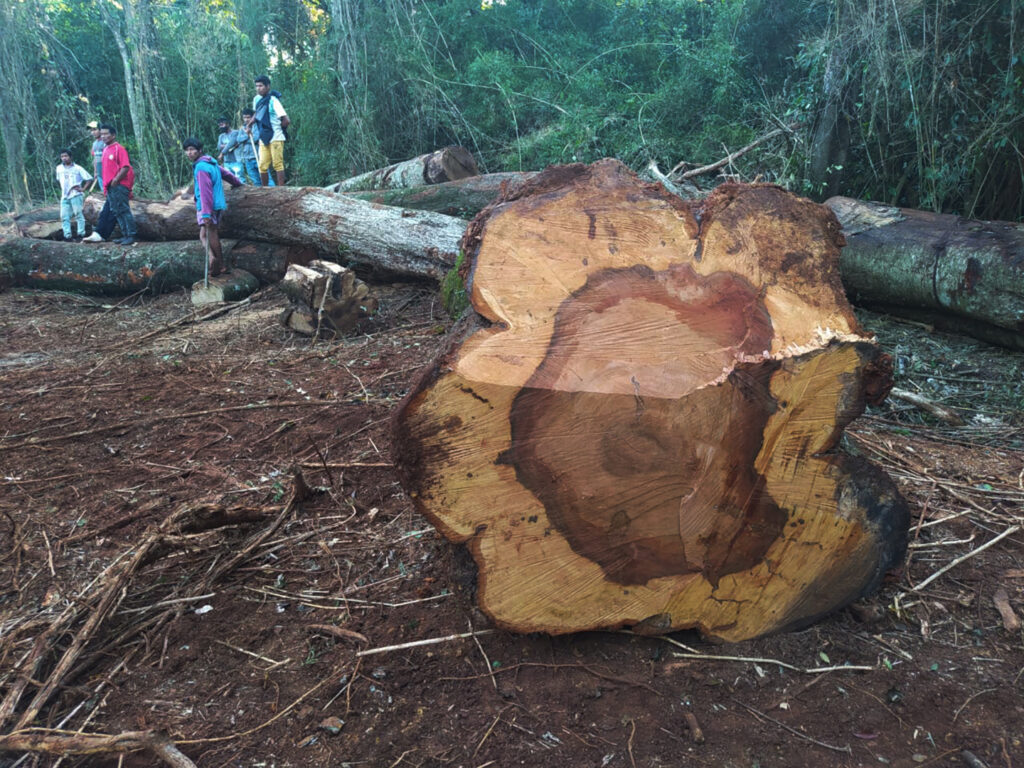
(113, 588)
(52, 742)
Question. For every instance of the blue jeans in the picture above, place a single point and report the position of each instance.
(252, 170)
(236, 168)
(72, 206)
(119, 210)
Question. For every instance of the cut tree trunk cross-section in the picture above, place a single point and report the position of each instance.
(640, 423)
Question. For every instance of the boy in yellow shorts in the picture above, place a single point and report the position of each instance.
(272, 121)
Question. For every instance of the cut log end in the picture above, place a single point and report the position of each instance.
(647, 433)
(230, 286)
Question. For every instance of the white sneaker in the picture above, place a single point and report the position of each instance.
(93, 238)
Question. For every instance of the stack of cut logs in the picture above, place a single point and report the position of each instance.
(407, 220)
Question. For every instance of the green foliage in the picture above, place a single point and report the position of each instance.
(918, 103)
(454, 298)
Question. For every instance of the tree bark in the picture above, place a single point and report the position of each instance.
(391, 241)
(464, 198)
(109, 269)
(906, 261)
(448, 164)
(640, 423)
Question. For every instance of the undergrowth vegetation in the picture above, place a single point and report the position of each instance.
(913, 102)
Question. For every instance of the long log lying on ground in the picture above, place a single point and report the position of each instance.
(109, 269)
(43, 222)
(447, 164)
(387, 240)
(464, 198)
(640, 424)
(910, 262)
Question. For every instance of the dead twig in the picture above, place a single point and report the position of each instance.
(420, 643)
(53, 742)
(695, 730)
(845, 748)
(345, 634)
(941, 412)
(949, 566)
(1002, 602)
(674, 173)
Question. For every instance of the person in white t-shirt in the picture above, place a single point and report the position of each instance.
(271, 122)
(72, 178)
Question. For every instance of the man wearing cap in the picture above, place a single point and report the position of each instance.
(97, 155)
(229, 145)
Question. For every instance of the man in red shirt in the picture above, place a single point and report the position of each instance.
(118, 179)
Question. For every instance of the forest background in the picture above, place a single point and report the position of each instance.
(913, 102)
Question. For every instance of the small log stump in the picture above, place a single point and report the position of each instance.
(640, 423)
(327, 299)
(230, 286)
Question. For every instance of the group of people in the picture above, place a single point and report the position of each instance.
(248, 153)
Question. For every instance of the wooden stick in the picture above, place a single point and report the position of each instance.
(941, 412)
(1009, 531)
(419, 643)
(1002, 601)
(845, 748)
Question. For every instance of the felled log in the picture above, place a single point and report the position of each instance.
(387, 240)
(447, 164)
(464, 198)
(640, 423)
(326, 299)
(43, 222)
(229, 286)
(966, 275)
(110, 269)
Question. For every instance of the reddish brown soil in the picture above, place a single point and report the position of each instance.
(246, 677)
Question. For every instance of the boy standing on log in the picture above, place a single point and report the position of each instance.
(272, 121)
(210, 202)
(118, 180)
(72, 178)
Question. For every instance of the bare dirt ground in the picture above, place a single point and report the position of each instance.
(152, 537)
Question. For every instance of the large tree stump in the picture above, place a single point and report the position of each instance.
(640, 424)
(446, 164)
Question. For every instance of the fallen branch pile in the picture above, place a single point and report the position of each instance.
(90, 618)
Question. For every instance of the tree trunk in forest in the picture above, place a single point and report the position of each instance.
(640, 424)
(464, 198)
(386, 240)
(448, 164)
(115, 269)
(19, 45)
(908, 262)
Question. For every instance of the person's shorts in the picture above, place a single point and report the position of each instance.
(272, 155)
(215, 218)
